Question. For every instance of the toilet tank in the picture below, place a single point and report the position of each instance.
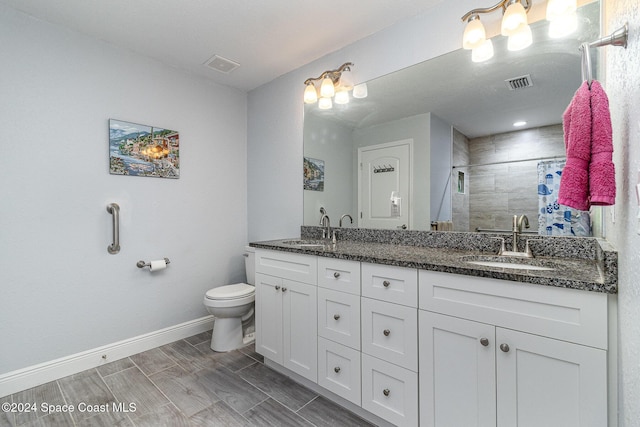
(250, 264)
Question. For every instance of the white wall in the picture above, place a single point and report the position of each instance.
(440, 164)
(61, 292)
(623, 89)
(275, 138)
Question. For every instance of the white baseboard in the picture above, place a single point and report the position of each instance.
(42, 373)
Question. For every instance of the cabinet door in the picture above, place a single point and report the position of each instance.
(457, 372)
(269, 317)
(547, 382)
(300, 326)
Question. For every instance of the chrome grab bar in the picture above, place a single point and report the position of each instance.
(114, 210)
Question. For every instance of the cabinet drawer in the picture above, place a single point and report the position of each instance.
(339, 370)
(566, 314)
(339, 317)
(389, 391)
(392, 284)
(298, 267)
(339, 274)
(390, 332)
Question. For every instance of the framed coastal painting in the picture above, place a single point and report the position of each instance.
(313, 174)
(142, 150)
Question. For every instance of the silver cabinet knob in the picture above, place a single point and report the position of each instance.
(484, 341)
(336, 369)
(386, 332)
(336, 316)
(504, 347)
(386, 392)
(386, 283)
(284, 289)
(336, 275)
(277, 287)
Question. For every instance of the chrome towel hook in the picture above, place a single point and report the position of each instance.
(114, 210)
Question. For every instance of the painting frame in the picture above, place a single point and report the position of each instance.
(142, 150)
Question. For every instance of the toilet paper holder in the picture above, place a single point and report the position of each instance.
(142, 264)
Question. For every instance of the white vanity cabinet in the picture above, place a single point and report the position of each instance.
(495, 353)
(339, 365)
(390, 343)
(286, 310)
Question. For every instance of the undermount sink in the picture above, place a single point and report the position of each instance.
(305, 243)
(510, 262)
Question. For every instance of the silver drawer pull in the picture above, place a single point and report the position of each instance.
(336, 275)
(277, 287)
(484, 341)
(386, 283)
(386, 332)
(336, 316)
(504, 347)
(386, 392)
(336, 369)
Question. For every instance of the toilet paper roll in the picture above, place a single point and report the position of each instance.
(158, 264)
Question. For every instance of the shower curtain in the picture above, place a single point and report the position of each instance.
(555, 219)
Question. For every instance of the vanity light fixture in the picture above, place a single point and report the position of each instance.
(334, 87)
(561, 14)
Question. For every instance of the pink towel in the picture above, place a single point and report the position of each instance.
(602, 174)
(574, 186)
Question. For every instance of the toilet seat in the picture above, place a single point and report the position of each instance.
(229, 292)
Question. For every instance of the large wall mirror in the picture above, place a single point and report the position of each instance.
(434, 145)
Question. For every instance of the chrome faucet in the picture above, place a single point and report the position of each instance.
(517, 228)
(345, 216)
(325, 222)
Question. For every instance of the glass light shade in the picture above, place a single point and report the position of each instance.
(563, 26)
(474, 34)
(513, 18)
(520, 39)
(326, 88)
(557, 9)
(346, 81)
(483, 53)
(310, 94)
(342, 96)
(325, 103)
(360, 91)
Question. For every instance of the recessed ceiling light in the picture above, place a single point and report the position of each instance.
(519, 124)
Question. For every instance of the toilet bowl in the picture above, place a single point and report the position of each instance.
(230, 305)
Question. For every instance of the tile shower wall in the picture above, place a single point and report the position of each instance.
(460, 191)
(497, 192)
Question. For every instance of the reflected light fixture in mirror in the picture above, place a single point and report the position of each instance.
(562, 17)
(334, 84)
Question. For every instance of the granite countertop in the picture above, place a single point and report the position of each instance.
(568, 272)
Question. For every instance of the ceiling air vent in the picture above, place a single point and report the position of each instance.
(519, 82)
(221, 64)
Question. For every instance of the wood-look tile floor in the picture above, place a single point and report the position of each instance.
(184, 383)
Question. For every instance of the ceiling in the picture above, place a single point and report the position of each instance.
(267, 38)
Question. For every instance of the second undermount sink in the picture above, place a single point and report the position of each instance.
(513, 263)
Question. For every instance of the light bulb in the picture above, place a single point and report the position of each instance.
(521, 39)
(360, 91)
(310, 94)
(326, 88)
(325, 103)
(563, 26)
(346, 80)
(483, 53)
(560, 8)
(342, 96)
(513, 18)
(474, 33)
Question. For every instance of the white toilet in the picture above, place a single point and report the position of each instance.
(230, 305)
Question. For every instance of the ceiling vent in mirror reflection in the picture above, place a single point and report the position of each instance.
(520, 82)
(221, 64)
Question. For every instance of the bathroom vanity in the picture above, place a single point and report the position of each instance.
(428, 331)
